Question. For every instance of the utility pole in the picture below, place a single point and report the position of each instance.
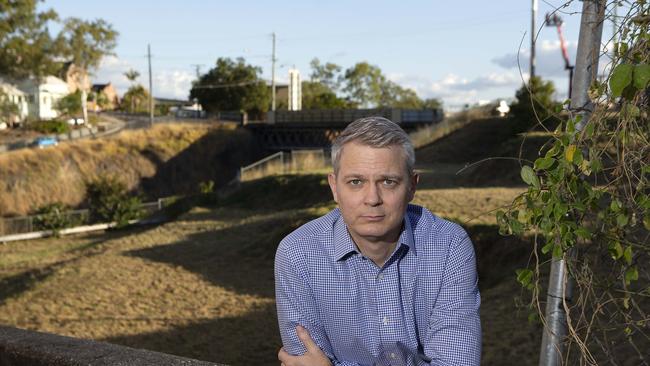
(273, 75)
(197, 68)
(150, 87)
(560, 287)
(532, 39)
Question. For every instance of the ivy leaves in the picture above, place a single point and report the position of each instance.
(529, 176)
(627, 79)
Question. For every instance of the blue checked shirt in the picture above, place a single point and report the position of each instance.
(420, 308)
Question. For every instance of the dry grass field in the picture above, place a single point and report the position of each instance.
(202, 285)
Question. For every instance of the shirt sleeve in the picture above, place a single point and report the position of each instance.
(454, 333)
(296, 306)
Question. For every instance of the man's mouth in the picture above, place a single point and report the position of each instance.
(373, 217)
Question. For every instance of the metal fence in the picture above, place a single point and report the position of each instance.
(28, 224)
(296, 161)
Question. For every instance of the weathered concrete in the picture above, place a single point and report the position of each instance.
(20, 347)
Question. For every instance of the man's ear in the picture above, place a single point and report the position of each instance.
(331, 179)
(415, 179)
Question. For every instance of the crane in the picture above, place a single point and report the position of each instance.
(556, 21)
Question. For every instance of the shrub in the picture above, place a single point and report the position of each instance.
(534, 105)
(207, 194)
(206, 187)
(51, 126)
(55, 217)
(110, 201)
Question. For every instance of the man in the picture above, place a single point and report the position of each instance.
(377, 281)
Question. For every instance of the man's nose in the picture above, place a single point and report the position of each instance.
(373, 195)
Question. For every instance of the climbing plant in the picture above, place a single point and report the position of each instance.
(588, 202)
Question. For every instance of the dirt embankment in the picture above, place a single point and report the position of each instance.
(484, 153)
(161, 161)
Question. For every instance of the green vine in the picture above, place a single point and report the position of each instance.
(589, 190)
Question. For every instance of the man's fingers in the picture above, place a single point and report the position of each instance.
(305, 338)
(283, 355)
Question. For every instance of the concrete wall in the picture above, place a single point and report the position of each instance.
(22, 347)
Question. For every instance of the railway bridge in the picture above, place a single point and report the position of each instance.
(309, 129)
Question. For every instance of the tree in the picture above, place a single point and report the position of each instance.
(70, 104)
(328, 74)
(394, 96)
(431, 103)
(85, 43)
(534, 104)
(8, 110)
(367, 86)
(319, 96)
(363, 84)
(232, 85)
(132, 75)
(136, 98)
(26, 47)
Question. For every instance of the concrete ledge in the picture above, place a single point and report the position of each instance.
(24, 347)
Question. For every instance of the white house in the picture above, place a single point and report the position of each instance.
(43, 96)
(18, 97)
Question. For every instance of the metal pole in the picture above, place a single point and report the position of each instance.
(570, 81)
(150, 87)
(560, 286)
(273, 76)
(532, 39)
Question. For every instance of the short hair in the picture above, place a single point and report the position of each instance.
(375, 132)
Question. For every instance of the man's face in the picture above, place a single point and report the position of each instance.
(373, 188)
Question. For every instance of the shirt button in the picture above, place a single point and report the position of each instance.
(385, 320)
(380, 276)
(393, 356)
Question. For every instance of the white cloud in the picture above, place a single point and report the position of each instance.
(112, 70)
(548, 59)
(456, 90)
(166, 83)
(173, 84)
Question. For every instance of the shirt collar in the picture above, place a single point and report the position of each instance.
(344, 245)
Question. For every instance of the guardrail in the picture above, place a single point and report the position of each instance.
(13, 226)
(397, 115)
(284, 163)
(24, 347)
(72, 135)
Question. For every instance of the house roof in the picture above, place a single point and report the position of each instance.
(100, 87)
(10, 88)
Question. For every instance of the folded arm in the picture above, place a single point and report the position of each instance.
(296, 307)
(454, 333)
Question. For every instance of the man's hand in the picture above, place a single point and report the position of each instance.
(313, 357)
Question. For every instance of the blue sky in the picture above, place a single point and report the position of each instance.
(459, 51)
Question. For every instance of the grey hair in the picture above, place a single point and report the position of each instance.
(375, 132)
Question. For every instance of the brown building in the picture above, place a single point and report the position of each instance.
(103, 97)
(75, 77)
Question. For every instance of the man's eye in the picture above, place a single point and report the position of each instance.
(389, 182)
(355, 182)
